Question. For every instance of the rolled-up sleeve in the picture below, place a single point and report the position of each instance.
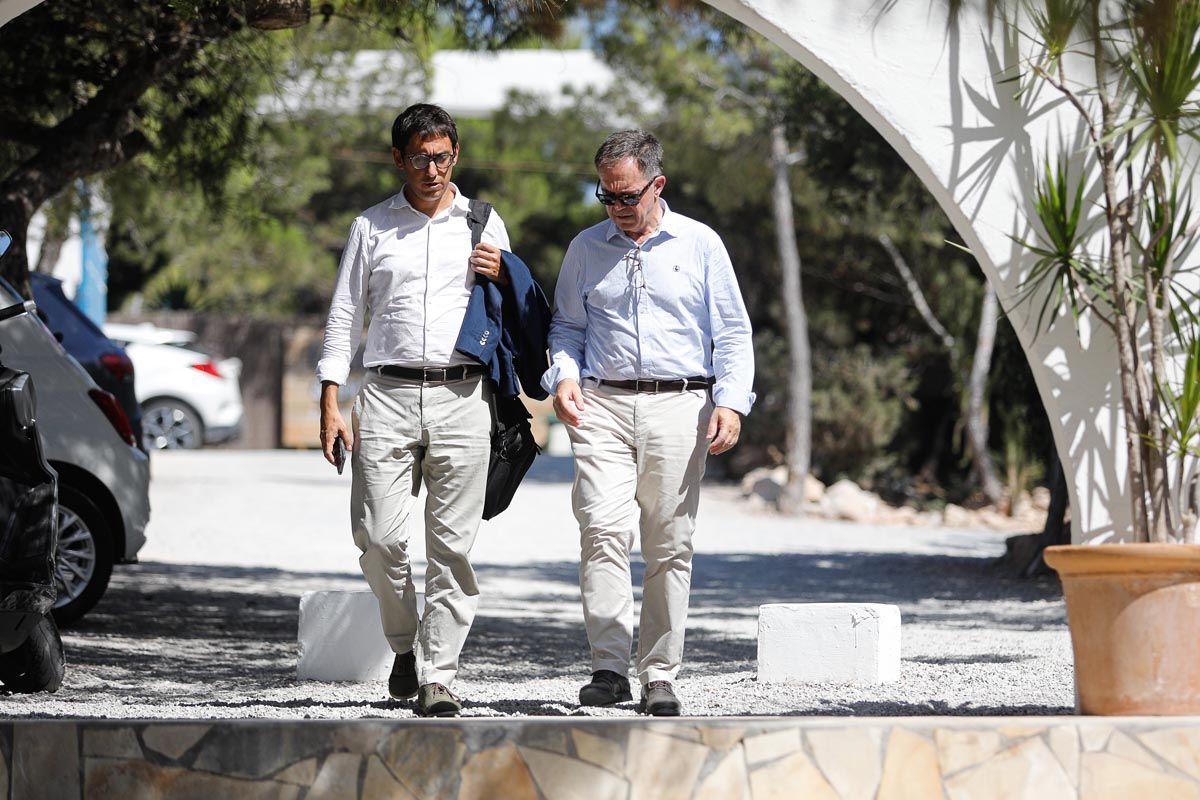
(568, 328)
(343, 327)
(496, 232)
(733, 344)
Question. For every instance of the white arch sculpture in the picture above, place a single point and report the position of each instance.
(932, 91)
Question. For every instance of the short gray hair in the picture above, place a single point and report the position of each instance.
(637, 144)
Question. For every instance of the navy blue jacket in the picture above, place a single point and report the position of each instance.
(506, 329)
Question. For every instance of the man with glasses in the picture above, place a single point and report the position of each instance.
(423, 413)
(651, 370)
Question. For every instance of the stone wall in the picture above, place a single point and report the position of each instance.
(593, 759)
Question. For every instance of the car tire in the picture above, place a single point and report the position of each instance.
(84, 560)
(169, 424)
(37, 664)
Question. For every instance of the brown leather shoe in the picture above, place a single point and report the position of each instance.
(435, 700)
(659, 700)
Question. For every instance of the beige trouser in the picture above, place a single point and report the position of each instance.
(649, 449)
(408, 432)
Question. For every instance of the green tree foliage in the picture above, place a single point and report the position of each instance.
(93, 84)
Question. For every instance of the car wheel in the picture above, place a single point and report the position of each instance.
(37, 664)
(171, 425)
(84, 560)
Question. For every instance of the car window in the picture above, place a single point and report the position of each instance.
(64, 316)
(9, 295)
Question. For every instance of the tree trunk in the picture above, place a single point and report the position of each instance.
(15, 213)
(977, 425)
(1055, 531)
(918, 298)
(58, 229)
(799, 419)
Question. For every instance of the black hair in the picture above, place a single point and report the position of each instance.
(424, 120)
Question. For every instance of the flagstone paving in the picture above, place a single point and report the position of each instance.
(976, 759)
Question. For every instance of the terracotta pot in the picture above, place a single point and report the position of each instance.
(1134, 614)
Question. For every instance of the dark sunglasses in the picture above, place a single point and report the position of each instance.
(628, 199)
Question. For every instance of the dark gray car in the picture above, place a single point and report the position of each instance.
(104, 359)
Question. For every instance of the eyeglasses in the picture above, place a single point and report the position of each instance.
(633, 265)
(627, 199)
(422, 161)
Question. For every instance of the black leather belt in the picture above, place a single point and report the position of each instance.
(654, 387)
(432, 374)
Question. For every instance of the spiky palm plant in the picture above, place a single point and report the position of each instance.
(1131, 70)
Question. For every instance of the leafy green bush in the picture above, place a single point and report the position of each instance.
(860, 399)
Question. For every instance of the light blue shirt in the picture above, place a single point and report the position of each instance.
(682, 317)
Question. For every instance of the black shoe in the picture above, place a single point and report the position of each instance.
(437, 701)
(659, 700)
(605, 689)
(402, 683)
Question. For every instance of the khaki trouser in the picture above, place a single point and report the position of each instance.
(649, 449)
(408, 432)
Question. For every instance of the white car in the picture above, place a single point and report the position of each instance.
(188, 397)
(103, 478)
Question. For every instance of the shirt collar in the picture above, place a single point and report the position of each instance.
(665, 223)
(460, 205)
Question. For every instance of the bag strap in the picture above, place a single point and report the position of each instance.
(477, 217)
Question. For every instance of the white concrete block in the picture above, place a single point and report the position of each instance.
(828, 643)
(341, 638)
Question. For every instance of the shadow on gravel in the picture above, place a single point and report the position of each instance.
(220, 637)
(941, 590)
(893, 708)
(552, 469)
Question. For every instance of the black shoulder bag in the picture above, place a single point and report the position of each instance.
(513, 447)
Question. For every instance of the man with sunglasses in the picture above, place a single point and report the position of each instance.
(651, 370)
(423, 412)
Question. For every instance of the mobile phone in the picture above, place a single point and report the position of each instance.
(339, 454)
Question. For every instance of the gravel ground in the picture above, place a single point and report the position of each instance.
(205, 625)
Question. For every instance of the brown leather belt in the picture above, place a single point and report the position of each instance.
(654, 387)
(432, 374)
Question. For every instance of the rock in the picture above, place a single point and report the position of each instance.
(896, 515)
(1040, 498)
(928, 519)
(992, 518)
(845, 500)
(814, 490)
(765, 483)
(957, 517)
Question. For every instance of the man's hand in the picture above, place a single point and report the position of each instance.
(568, 402)
(332, 424)
(485, 261)
(724, 427)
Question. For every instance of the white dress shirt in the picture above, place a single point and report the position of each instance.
(410, 273)
(682, 317)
